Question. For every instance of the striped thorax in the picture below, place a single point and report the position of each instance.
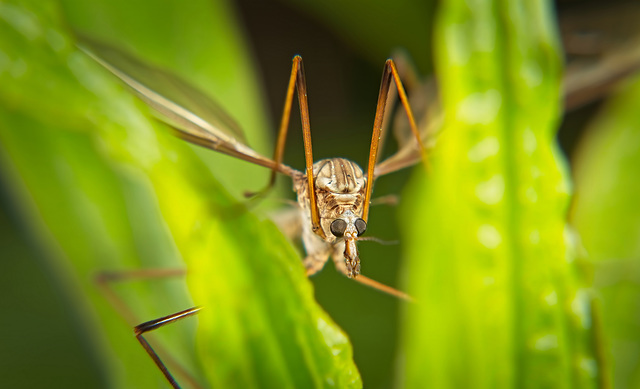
(340, 191)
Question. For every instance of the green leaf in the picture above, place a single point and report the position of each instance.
(606, 215)
(499, 301)
(101, 187)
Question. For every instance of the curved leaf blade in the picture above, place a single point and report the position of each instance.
(499, 301)
(102, 189)
(607, 217)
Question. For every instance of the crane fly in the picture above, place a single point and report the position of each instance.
(333, 195)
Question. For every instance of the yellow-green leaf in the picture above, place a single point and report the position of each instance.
(607, 216)
(499, 303)
(102, 187)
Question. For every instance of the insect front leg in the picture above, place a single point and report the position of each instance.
(151, 325)
(104, 281)
(318, 252)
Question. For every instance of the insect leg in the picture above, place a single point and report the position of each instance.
(338, 259)
(390, 72)
(409, 74)
(383, 288)
(284, 126)
(140, 329)
(104, 281)
(301, 86)
(407, 108)
(298, 81)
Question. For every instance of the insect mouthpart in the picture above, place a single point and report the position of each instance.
(351, 257)
(350, 228)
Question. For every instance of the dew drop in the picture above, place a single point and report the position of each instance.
(546, 342)
(531, 73)
(530, 143)
(488, 280)
(534, 237)
(56, 40)
(480, 108)
(588, 365)
(484, 149)
(491, 191)
(580, 307)
(532, 195)
(459, 51)
(489, 236)
(22, 21)
(551, 298)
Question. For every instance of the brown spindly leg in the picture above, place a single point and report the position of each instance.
(339, 261)
(104, 281)
(389, 73)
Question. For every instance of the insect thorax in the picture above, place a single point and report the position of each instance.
(340, 186)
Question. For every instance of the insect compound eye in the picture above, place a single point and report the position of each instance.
(338, 226)
(361, 226)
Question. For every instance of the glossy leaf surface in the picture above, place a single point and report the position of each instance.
(607, 216)
(500, 304)
(100, 186)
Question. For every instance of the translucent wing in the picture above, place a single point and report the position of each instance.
(192, 114)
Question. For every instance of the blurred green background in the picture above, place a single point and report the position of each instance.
(89, 183)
